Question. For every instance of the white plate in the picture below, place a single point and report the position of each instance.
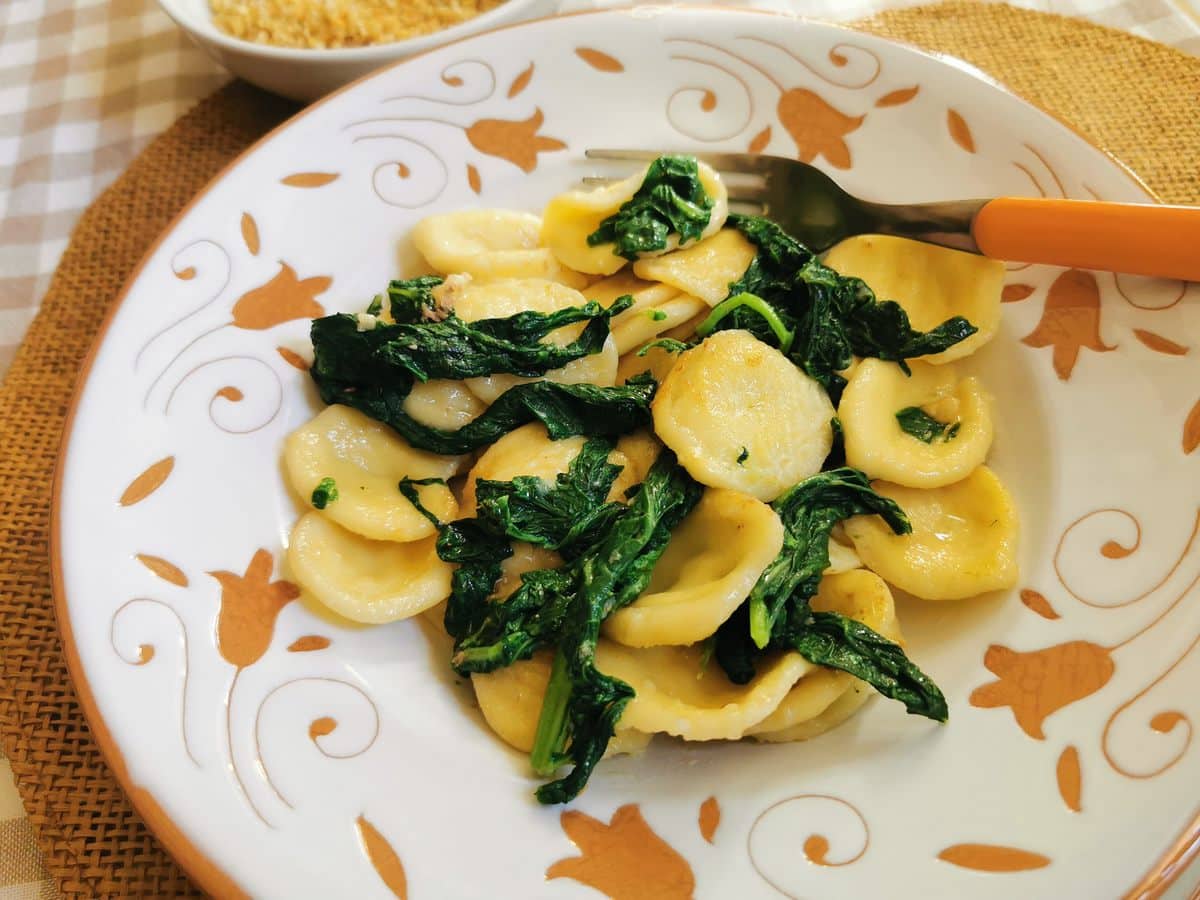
(1067, 767)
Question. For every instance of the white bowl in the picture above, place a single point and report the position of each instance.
(304, 74)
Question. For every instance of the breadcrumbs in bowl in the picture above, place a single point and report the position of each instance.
(326, 24)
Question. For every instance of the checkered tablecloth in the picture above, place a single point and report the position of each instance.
(85, 84)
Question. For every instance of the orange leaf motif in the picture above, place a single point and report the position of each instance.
(250, 233)
(625, 859)
(516, 141)
(292, 358)
(283, 298)
(308, 643)
(1113, 550)
(1070, 320)
(145, 654)
(1038, 683)
(1070, 780)
(186, 274)
(1163, 722)
(898, 98)
(710, 818)
(817, 128)
(232, 394)
(959, 131)
(1159, 344)
(163, 569)
(1015, 292)
(599, 61)
(520, 82)
(992, 858)
(759, 142)
(250, 604)
(384, 859)
(309, 179)
(1038, 603)
(148, 482)
(321, 727)
(1191, 429)
(473, 179)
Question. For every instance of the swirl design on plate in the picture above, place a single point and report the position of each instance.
(794, 816)
(250, 417)
(187, 265)
(472, 77)
(321, 727)
(707, 100)
(147, 652)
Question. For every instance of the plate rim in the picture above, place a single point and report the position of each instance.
(199, 867)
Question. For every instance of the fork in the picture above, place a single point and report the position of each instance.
(1134, 238)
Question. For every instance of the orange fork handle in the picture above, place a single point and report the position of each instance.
(1141, 239)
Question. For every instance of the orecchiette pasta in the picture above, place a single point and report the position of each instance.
(632, 334)
(739, 415)
(511, 702)
(932, 284)
(569, 218)
(489, 244)
(704, 270)
(365, 461)
(859, 595)
(442, 403)
(876, 443)
(711, 562)
(365, 580)
(677, 694)
(657, 361)
(963, 541)
(496, 299)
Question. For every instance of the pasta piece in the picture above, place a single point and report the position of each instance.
(528, 450)
(686, 331)
(442, 403)
(489, 244)
(877, 444)
(498, 299)
(842, 558)
(845, 706)
(740, 415)
(932, 284)
(711, 562)
(963, 542)
(364, 580)
(569, 218)
(511, 702)
(366, 460)
(633, 334)
(645, 294)
(860, 595)
(677, 694)
(704, 270)
(637, 451)
(525, 558)
(657, 361)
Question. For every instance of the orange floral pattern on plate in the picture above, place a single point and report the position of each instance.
(282, 299)
(625, 859)
(1038, 683)
(817, 127)
(148, 482)
(250, 604)
(1070, 320)
(516, 141)
(993, 858)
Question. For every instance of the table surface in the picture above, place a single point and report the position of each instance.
(85, 84)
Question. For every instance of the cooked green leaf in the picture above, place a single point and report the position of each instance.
(671, 199)
(752, 302)
(831, 639)
(324, 493)
(808, 512)
(670, 345)
(924, 427)
(412, 300)
(408, 488)
(832, 317)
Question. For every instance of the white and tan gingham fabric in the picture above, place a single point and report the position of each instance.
(85, 84)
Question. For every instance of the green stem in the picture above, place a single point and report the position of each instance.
(546, 756)
(760, 623)
(758, 305)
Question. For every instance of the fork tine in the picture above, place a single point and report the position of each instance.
(734, 162)
(753, 192)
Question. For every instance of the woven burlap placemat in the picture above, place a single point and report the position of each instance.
(1135, 98)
